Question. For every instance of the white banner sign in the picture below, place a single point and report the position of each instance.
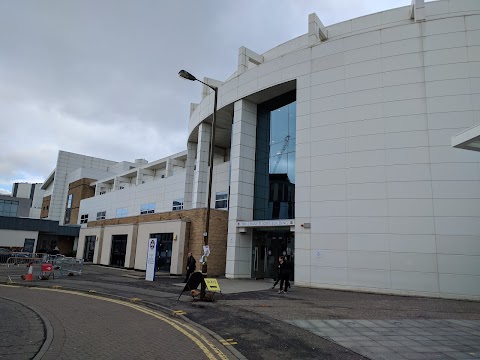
(151, 256)
(262, 223)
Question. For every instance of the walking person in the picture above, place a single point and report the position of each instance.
(284, 274)
(288, 273)
(191, 265)
(277, 277)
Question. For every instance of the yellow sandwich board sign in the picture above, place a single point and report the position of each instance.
(212, 284)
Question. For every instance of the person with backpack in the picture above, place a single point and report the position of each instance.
(191, 265)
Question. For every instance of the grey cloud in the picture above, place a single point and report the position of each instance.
(100, 77)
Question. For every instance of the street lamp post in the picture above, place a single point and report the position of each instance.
(186, 75)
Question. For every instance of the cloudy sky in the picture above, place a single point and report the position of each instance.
(99, 78)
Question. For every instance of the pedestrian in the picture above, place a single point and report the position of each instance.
(288, 273)
(191, 265)
(277, 277)
(284, 274)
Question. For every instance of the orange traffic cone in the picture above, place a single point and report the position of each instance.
(29, 276)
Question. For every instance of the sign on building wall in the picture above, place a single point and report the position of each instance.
(151, 256)
(262, 223)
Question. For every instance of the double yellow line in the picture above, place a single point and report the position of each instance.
(208, 348)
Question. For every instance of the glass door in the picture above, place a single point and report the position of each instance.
(119, 249)
(89, 249)
(164, 251)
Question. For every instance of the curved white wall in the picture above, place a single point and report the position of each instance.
(392, 206)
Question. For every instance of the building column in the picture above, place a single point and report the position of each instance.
(189, 174)
(200, 179)
(97, 188)
(168, 168)
(242, 162)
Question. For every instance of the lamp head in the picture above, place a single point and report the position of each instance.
(186, 75)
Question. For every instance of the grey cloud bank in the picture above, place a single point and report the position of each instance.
(100, 78)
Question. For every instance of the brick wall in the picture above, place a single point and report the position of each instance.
(194, 239)
(45, 206)
(80, 190)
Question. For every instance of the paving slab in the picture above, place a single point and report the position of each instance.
(388, 344)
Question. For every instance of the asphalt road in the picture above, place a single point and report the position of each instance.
(256, 320)
(79, 325)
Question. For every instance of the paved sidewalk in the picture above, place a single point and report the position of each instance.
(402, 339)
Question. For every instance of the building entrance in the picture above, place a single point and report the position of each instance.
(164, 251)
(119, 250)
(267, 246)
(89, 249)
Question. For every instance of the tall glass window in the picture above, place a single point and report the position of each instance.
(68, 210)
(275, 159)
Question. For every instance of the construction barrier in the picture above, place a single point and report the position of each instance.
(41, 268)
(68, 265)
(4, 256)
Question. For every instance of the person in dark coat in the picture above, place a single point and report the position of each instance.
(284, 274)
(191, 265)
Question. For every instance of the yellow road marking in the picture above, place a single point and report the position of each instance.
(228, 342)
(174, 323)
(135, 299)
(179, 312)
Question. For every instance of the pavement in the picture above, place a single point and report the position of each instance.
(256, 322)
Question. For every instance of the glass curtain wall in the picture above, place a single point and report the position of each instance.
(275, 159)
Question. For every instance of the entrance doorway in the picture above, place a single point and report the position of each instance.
(89, 249)
(119, 249)
(164, 251)
(267, 246)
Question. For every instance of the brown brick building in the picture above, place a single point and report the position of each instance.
(123, 241)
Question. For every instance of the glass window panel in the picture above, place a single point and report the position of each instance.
(278, 125)
(278, 164)
(276, 149)
(121, 212)
(6, 207)
(291, 167)
(292, 120)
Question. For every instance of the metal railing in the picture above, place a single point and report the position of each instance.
(19, 255)
(44, 267)
(67, 265)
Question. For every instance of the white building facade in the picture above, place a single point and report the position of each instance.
(71, 167)
(340, 156)
(334, 149)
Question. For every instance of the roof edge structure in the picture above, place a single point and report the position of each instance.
(49, 180)
(468, 139)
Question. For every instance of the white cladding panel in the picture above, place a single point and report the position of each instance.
(385, 193)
